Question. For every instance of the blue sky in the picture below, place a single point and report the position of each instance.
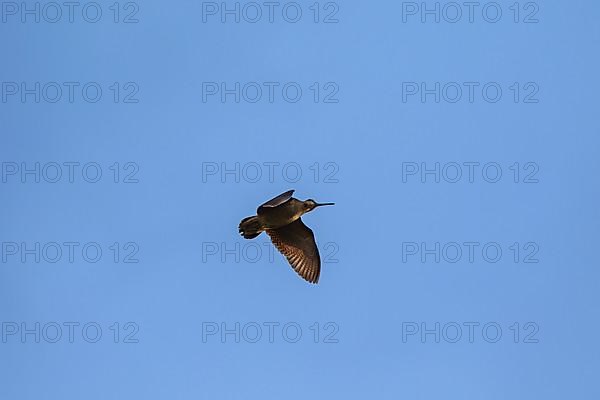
(436, 140)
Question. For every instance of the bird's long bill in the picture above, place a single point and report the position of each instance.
(324, 204)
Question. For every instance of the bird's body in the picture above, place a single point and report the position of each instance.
(280, 218)
(276, 217)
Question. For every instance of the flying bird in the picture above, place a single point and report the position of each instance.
(280, 218)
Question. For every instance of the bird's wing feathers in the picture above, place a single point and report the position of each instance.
(297, 243)
(279, 200)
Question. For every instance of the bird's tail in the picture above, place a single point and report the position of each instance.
(250, 227)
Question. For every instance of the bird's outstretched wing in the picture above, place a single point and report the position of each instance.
(276, 201)
(297, 243)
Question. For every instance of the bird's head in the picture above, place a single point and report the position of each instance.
(310, 205)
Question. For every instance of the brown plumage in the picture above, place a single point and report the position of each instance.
(297, 243)
(280, 218)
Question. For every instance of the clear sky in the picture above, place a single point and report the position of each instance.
(459, 262)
